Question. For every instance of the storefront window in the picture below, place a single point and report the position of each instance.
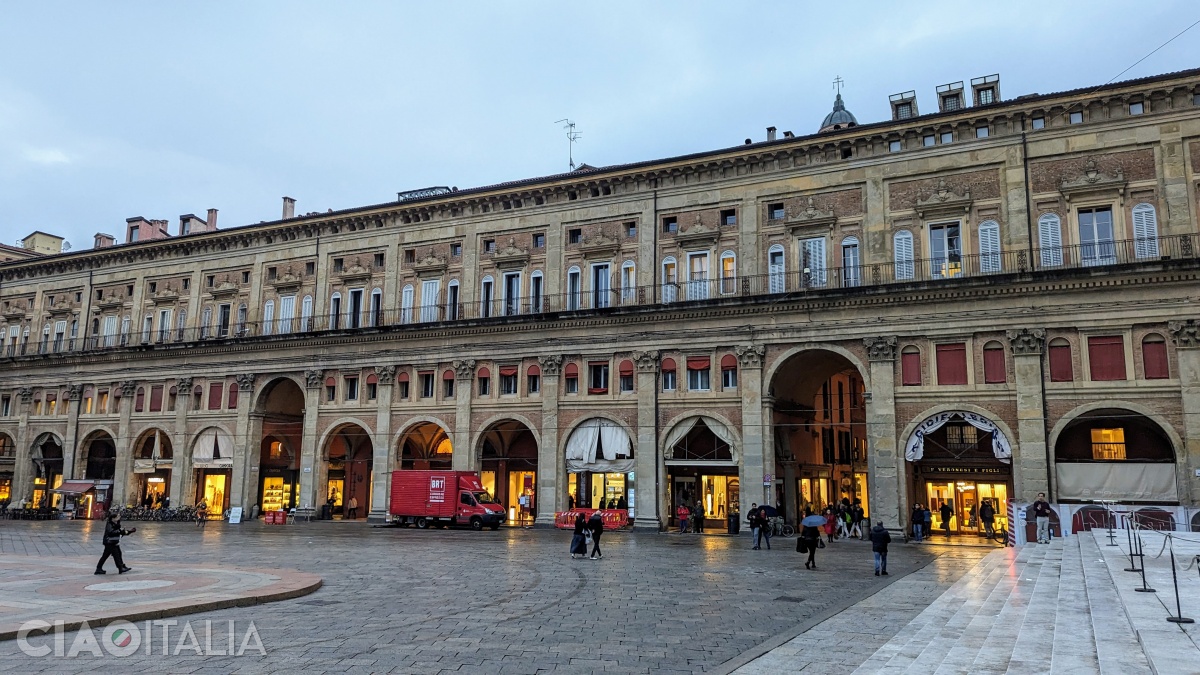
(277, 494)
(965, 498)
(214, 493)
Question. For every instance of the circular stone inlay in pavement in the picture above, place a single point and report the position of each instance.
(130, 585)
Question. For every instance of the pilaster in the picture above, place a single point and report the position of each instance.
(242, 491)
(758, 453)
(71, 436)
(464, 385)
(122, 441)
(381, 465)
(23, 471)
(308, 443)
(887, 474)
(1186, 336)
(647, 473)
(182, 490)
(1031, 473)
(551, 463)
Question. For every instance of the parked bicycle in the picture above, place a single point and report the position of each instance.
(780, 528)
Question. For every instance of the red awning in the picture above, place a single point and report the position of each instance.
(626, 367)
(483, 372)
(699, 363)
(74, 487)
(508, 371)
(571, 370)
(448, 375)
(403, 376)
(729, 362)
(668, 365)
(371, 379)
(534, 370)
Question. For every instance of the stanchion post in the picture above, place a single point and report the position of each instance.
(1112, 535)
(1142, 555)
(1129, 537)
(1179, 617)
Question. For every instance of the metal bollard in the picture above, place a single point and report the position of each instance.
(1179, 617)
(1129, 539)
(1141, 554)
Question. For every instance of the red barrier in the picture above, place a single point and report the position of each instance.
(613, 519)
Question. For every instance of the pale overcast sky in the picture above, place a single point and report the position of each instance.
(118, 109)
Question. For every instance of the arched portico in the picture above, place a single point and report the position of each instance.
(153, 460)
(1116, 451)
(46, 455)
(212, 464)
(276, 437)
(347, 464)
(8, 458)
(599, 454)
(506, 450)
(701, 454)
(424, 444)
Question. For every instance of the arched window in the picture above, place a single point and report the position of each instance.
(1050, 240)
(989, 247)
(139, 400)
(628, 283)
(851, 270)
(486, 296)
(306, 310)
(670, 279)
(205, 322)
(1060, 361)
(1154, 357)
(574, 287)
(242, 316)
(268, 317)
(1145, 231)
(537, 291)
(902, 249)
(728, 273)
(453, 313)
(376, 316)
(406, 302)
(910, 366)
(335, 311)
(994, 371)
(181, 324)
(776, 279)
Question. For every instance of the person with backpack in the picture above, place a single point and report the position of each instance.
(987, 516)
(880, 538)
(112, 543)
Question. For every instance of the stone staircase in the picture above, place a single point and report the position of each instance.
(1037, 609)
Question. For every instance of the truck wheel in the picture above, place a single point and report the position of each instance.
(422, 523)
(476, 523)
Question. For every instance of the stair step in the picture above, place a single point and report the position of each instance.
(1030, 648)
(962, 655)
(1074, 643)
(1117, 647)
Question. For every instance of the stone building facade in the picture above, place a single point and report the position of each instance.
(982, 303)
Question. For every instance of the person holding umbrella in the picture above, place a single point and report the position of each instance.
(810, 537)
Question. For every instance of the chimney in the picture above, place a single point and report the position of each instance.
(212, 220)
(289, 208)
(788, 134)
(104, 240)
(770, 133)
(160, 229)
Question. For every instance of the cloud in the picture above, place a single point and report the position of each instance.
(46, 156)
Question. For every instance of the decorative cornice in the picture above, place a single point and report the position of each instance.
(164, 296)
(551, 364)
(944, 202)
(646, 362)
(60, 308)
(224, 289)
(110, 301)
(599, 245)
(286, 281)
(1026, 341)
(355, 271)
(430, 265)
(1185, 334)
(1093, 181)
(385, 373)
(881, 348)
(511, 256)
(811, 219)
(697, 235)
(750, 356)
(464, 369)
(245, 381)
(313, 378)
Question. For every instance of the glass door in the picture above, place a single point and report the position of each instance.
(1096, 237)
(697, 288)
(967, 508)
(945, 251)
(214, 493)
(997, 495)
(939, 494)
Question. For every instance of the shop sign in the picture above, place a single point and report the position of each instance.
(768, 480)
(437, 489)
(217, 464)
(983, 470)
(235, 515)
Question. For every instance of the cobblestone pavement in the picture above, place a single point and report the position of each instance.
(410, 601)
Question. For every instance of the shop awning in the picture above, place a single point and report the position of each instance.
(75, 487)
(508, 371)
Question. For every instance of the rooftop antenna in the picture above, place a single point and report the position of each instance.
(572, 136)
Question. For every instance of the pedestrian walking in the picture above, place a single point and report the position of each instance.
(859, 528)
(596, 526)
(112, 543)
(987, 516)
(810, 538)
(918, 522)
(353, 508)
(928, 522)
(1042, 511)
(947, 513)
(765, 525)
(682, 513)
(698, 517)
(201, 513)
(880, 538)
(578, 541)
(755, 526)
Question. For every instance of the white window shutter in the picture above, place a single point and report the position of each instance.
(989, 247)
(1145, 231)
(903, 245)
(1050, 240)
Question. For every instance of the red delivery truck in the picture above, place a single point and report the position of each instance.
(443, 498)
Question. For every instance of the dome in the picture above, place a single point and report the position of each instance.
(840, 118)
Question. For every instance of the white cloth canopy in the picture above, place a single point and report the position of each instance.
(601, 446)
(213, 449)
(1121, 481)
(914, 450)
(683, 428)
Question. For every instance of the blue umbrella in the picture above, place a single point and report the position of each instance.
(813, 521)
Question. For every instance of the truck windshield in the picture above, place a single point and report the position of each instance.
(484, 498)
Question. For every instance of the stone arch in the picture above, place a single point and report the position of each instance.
(1076, 413)
(676, 422)
(97, 456)
(140, 437)
(421, 457)
(477, 442)
(948, 407)
(338, 425)
(345, 477)
(566, 435)
(863, 370)
(268, 387)
(418, 420)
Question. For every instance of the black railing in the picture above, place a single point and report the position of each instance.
(810, 279)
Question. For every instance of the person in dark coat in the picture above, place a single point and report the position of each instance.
(755, 526)
(622, 504)
(112, 543)
(809, 538)
(918, 521)
(947, 513)
(880, 538)
(578, 543)
(987, 516)
(596, 525)
(765, 524)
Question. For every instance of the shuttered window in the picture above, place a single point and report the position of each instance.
(951, 364)
(214, 395)
(903, 245)
(1107, 357)
(232, 399)
(910, 367)
(1154, 358)
(993, 364)
(1060, 362)
(1050, 240)
(156, 398)
(989, 247)
(1145, 231)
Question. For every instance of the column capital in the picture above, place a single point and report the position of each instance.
(551, 364)
(128, 388)
(882, 348)
(26, 394)
(245, 381)
(183, 385)
(464, 369)
(750, 356)
(1185, 334)
(646, 362)
(74, 392)
(387, 374)
(1026, 341)
(312, 378)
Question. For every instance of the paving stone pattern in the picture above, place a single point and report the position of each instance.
(403, 600)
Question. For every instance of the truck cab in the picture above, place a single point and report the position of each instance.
(478, 509)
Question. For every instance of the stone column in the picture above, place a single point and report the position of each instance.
(313, 380)
(23, 471)
(758, 453)
(71, 437)
(181, 452)
(1186, 336)
(887, 472)
(464, 382)
(381, 465)
(1031, 474)
(789, 490)
(243, 489)
(647, 476)
(122, 441)
(552, 476)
